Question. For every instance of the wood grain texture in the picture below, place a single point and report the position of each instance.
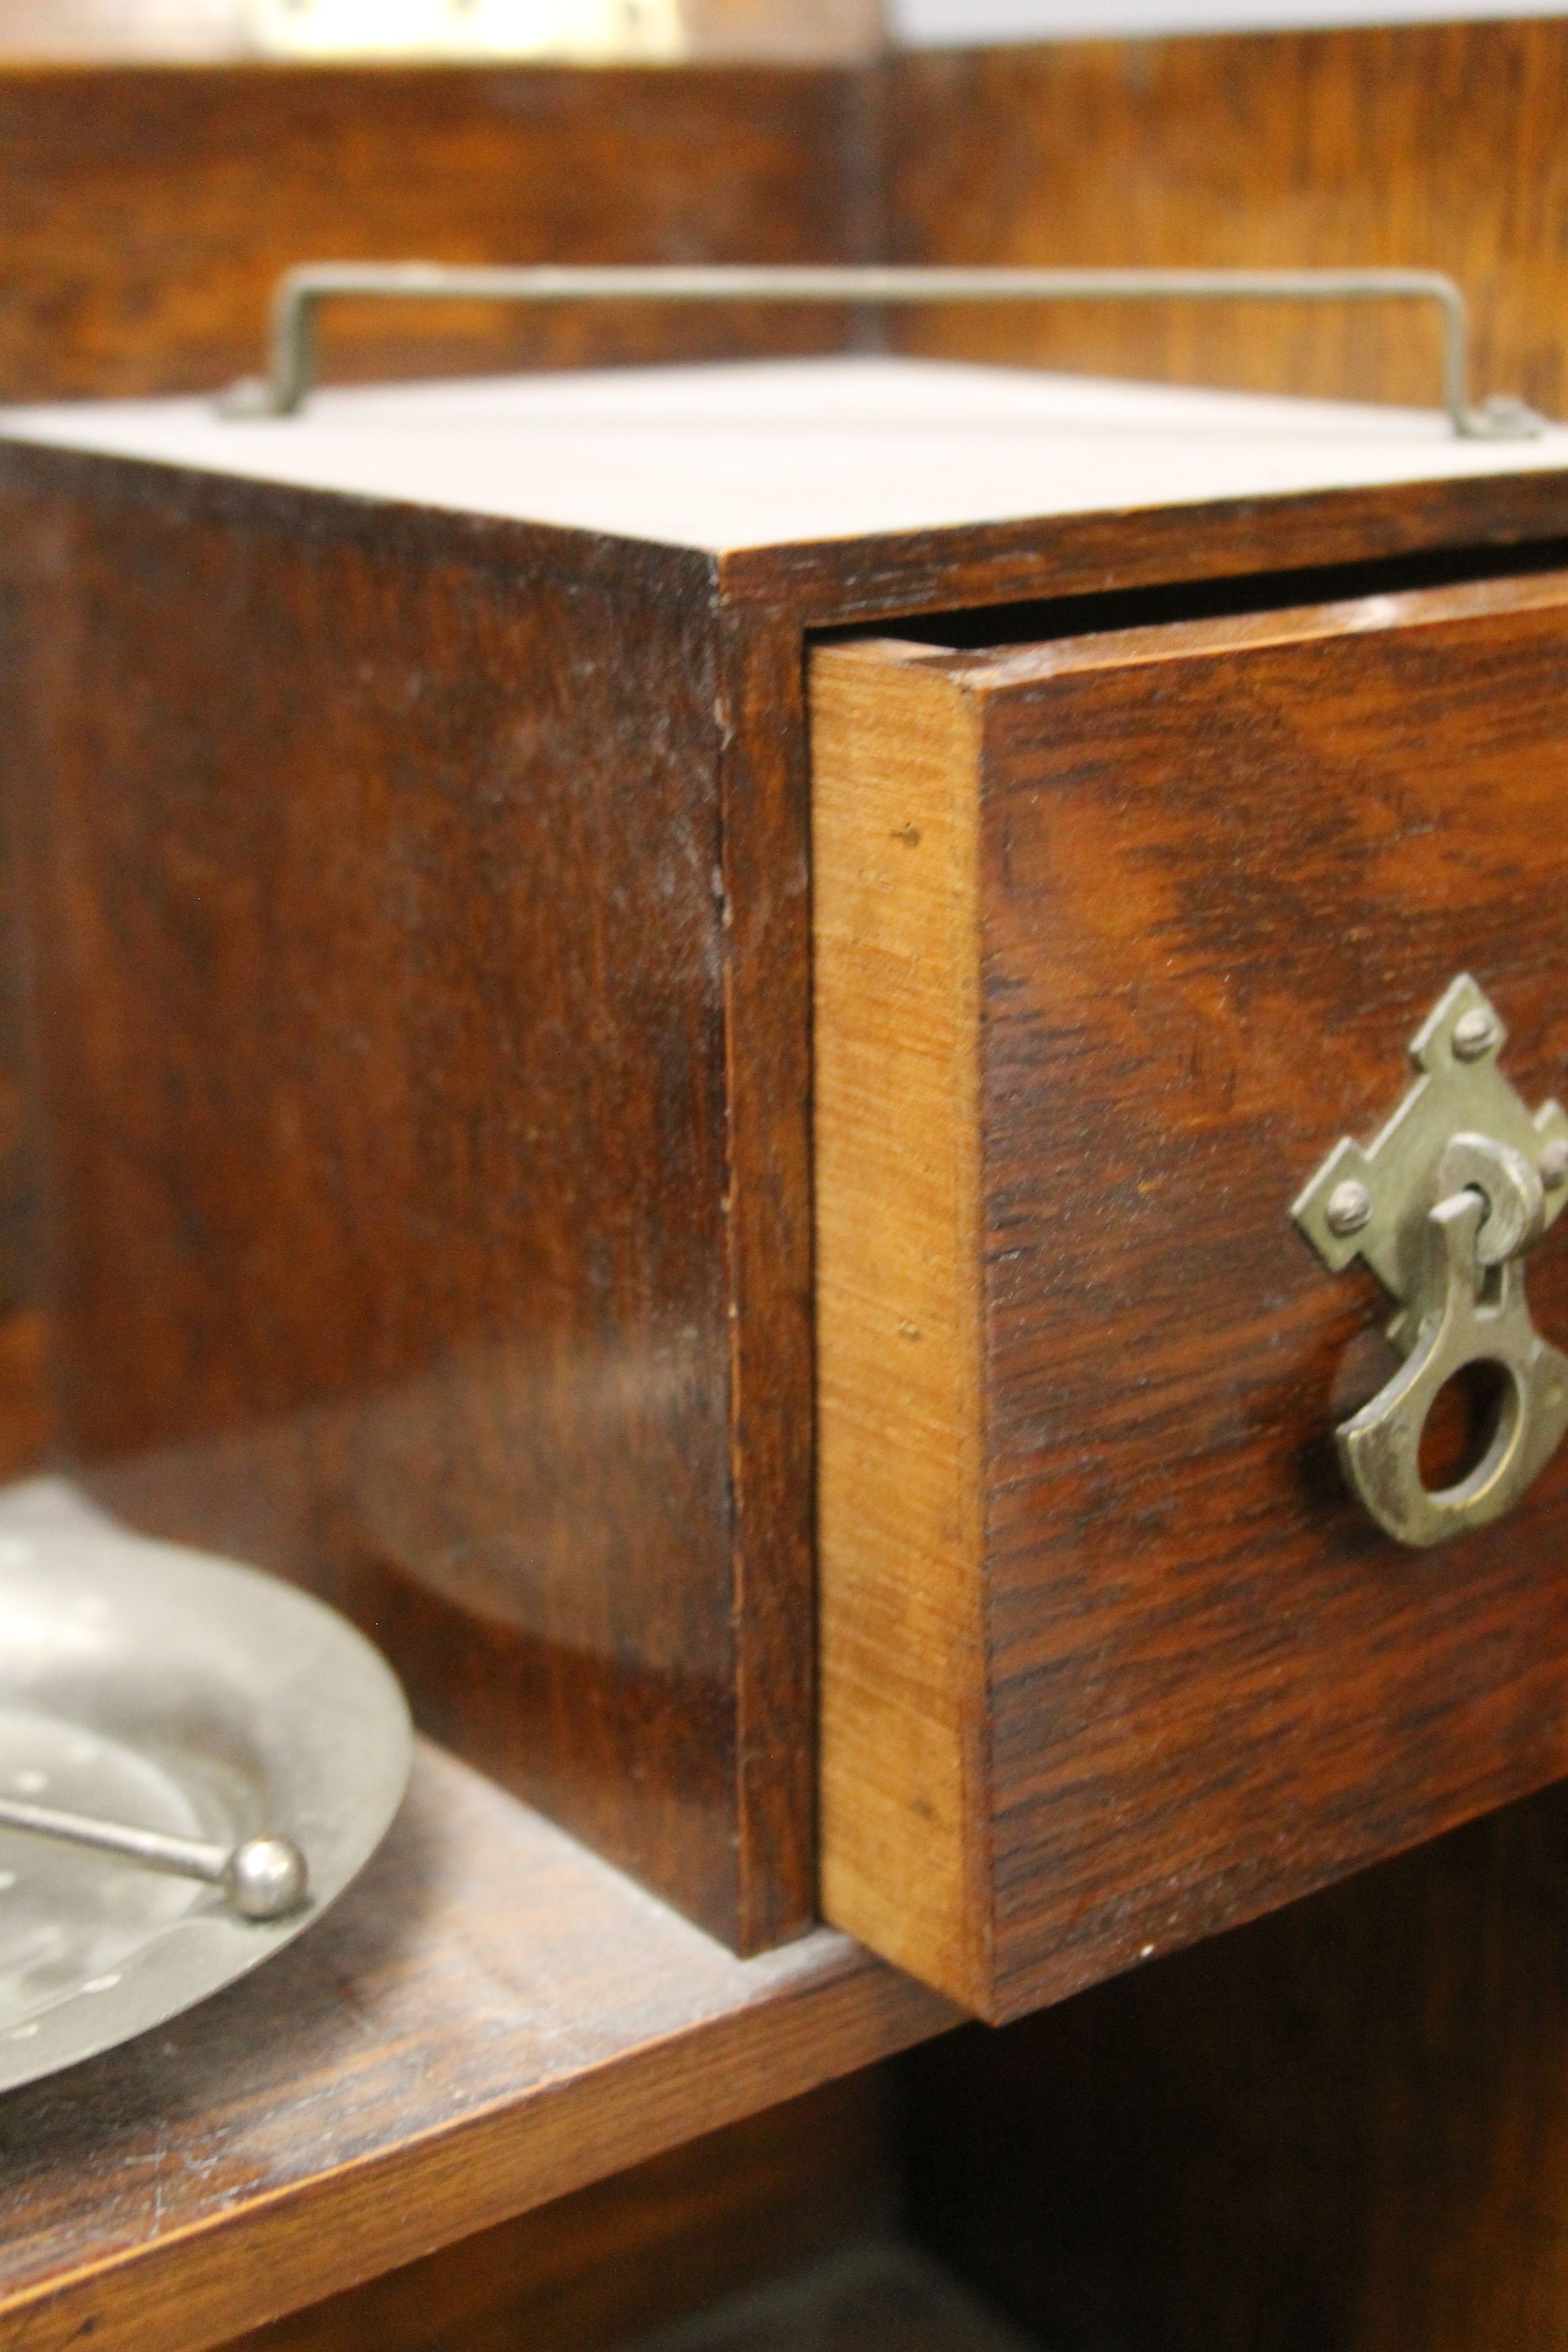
(1216, 888)
(148, 212)
(418, 924)
(764, 876)
(378, 1002)
(28, 1425)
(900, 1389)
(1343, 2128)
(488, 2020)
(1488, 525)
(780, 2192)
(768, 599)
(1435, 145)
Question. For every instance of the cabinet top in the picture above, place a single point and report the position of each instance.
(782, 453)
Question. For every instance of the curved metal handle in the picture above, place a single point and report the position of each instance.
(301, 293)
(1443, 1206)
(1479, 1321)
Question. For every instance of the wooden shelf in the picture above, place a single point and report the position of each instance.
(492, 2018)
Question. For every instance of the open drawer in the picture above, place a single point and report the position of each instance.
(1114, 938)
(411, 814)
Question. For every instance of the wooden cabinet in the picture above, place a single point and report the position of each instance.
(1338, 2129)
(1116, 934)
(415, 811)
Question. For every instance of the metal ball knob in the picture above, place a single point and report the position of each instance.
(265, 1878)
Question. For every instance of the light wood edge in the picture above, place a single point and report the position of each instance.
(905, 1810)
(275, 2253)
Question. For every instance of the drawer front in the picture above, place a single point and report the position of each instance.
(1114, 938)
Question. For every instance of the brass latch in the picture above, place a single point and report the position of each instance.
(1442, 1207)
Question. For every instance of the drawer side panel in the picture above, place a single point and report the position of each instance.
(905, 1833)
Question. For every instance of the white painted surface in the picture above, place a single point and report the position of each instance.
(949, 23)
(591, 30)
(185, 32)
(191, 32)
(775, 452)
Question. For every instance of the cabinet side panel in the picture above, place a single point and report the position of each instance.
(376, 1001)
(904, 1829)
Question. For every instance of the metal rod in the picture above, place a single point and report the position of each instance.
(188, 1858)
(301, 293)
(262, 1876)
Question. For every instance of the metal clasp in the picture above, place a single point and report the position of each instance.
(1460, 1184)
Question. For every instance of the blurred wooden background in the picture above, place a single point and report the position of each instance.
(1440, 146)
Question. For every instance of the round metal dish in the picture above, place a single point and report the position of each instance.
(161, 1687)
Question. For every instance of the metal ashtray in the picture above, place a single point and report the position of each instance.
(170, 1692)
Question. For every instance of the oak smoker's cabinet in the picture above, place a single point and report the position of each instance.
(424, 808)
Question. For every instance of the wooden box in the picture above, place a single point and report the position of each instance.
(414, 805)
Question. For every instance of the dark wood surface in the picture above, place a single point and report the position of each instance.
(1441, 146)
(1475, 526)
(1225, 872)
(147, 212)
(26, 1414)
(489, 2019)
(385, 1058)
(732, 2211)
(869, 2298)
(1340, 2129)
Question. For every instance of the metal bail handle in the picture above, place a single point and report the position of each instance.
(301, 293)
(1462, 1181)
(1380, 1448)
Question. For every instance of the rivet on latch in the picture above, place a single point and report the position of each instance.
(1349, 1209)
(1443, 1206)
(1475, 1034)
